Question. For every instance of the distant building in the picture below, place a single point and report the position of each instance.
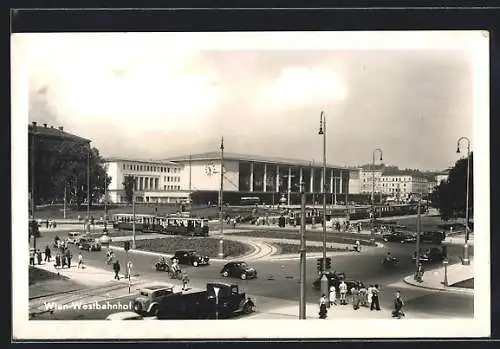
(402, 184)
(441, 177)
(369, 178)
(268, 178)
(155, 181)
(354, 181)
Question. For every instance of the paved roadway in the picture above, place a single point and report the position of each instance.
(280, 279)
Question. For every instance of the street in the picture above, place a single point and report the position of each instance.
(280, 279)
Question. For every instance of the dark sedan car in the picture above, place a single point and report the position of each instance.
(400, 236)
(190, 257)
(238, 269)
(89, 244)
(429, 255)
(335, 281)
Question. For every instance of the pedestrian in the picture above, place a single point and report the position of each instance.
(369, 295)
(420, 272)
(129, 269)
(363, 295)
(47, 223)
(80, 260)
(47, 254)
(39, 256)
(375, 298)
(185, 281)
(68, 257)
(332, 296)
(116, 268)
(398, 305)
(322, 307)
(58, 261)
(63, 260)
(355, 297)
(343, 293)
(32, 256)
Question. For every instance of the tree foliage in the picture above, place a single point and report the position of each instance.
(128, 187)
(450, 196)
(61, 165)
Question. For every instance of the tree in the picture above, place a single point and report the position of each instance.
(61, 165)
(128, 187)
(449, 196)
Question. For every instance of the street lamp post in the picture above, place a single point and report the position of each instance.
(33, 201)
(133, 219)
(88, 190)
(445, 263)
(417, 245)
(372, 237)
(322, 131)
(465, 259)
(302, 309)
(105, 198)
(221, 200)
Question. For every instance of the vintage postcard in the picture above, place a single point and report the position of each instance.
(289, 184)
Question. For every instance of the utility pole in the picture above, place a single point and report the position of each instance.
(64, 207)
(465, 259)
(221, 200)
(133, 219)
(106, 197)
(322, 131)
(302, 310)
(88, 189)
(189, 196)
(417, 256)
(372, 238)
(33, 204)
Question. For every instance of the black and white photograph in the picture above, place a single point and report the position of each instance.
(321, 184)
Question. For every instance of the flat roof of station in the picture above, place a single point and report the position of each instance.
(251, 158)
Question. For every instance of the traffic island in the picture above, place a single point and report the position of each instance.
(202, 245)
(449, 279)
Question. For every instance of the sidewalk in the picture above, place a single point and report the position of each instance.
(433, 279)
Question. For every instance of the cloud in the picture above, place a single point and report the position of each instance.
(155, 97)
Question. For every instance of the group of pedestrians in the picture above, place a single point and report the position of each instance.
(360, 296)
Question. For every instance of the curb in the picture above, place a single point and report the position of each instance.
(56, 293)
(449, 289)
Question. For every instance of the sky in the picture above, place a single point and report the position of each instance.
(152, 96)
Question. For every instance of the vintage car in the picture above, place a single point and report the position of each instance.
(190, 257)
(150, 297)
(400, 236)
(89, 244)
(124, 315)
(74, 237)
(105, 239)
(238, 269)
(429, 255)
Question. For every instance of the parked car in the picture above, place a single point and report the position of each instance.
(219, 300)
(238, 269)
(429, 255)
(335, 281)
(150, 297)
(124, 315)
(89, 244)
(433, 236)
(400, 236)
(105, 239)
(190, 257)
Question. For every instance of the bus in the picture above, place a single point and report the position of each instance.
(178, 225)
(249, 200)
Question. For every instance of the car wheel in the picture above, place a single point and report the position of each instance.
(248, 308)
(195, 264)
(225, 273)
(243, 276)
(155, 310)
(137, 307)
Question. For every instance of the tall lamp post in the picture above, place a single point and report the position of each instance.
(88, 189)
(465, 259)
(221, 200)
(322, 132)
(302, 309)
(419, 232)
(105, 198)
(372, 237)
(33, 202)
(133, 219)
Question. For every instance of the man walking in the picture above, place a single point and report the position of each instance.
(80, 260)
(375, 299)
(116, 268)
(69, 256)
(343, 293)
(322, 307)
(355, 297)
(398, 306)
(420, 272)
(47, 254)
(332, 296)
(185, 281)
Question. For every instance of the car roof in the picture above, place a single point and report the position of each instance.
(122, 315)
(156, 287)
(182, 251)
